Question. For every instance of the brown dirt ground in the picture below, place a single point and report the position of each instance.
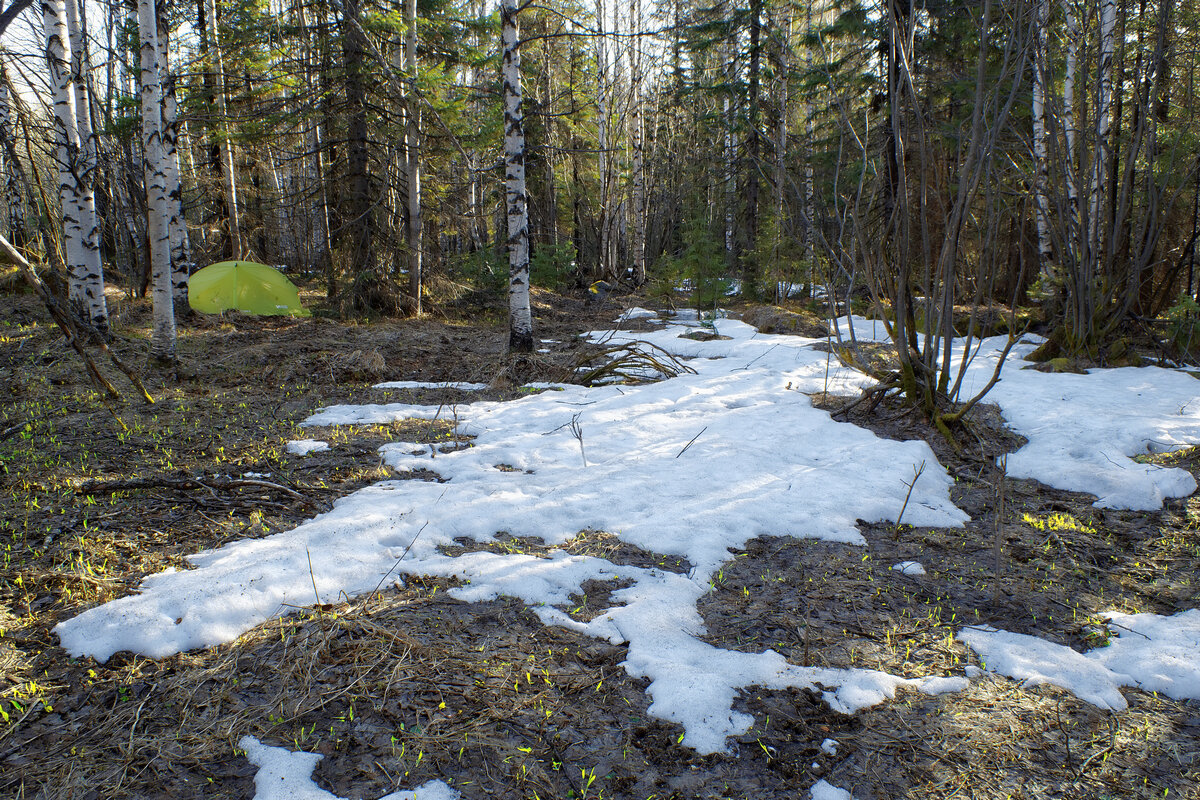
(408, 684)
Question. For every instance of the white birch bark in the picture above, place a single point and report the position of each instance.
(520, 320)
(162, 338)
(181, 266)
(92, 287)
(412, 137)
(228, 175)
(14, 205)
(86, 285)
(1041, 77)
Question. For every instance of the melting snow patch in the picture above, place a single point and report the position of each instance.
(909, 568)
(830, 746)
(287, 775)
(302, 447)
(826, 791)
(1146, 651)
(694, 466)
(637, 313)
(1085, 430)
(459, 385)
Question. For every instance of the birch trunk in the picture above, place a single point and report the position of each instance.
(412, 137)
(520, 321)
(93, 289)
(14, 204)
(162, 339)
(229, 178)
(181, 266)
(1041, 77)
(86, 281)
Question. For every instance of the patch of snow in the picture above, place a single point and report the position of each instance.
(826, 791)
(462, 386)
(909, 568)
(830, 746)
(302, 447)
(287, 775)
(637, 313)
(1084, 430)
(694, 466)
(1145, 651)
(861, 328)
(256, 474)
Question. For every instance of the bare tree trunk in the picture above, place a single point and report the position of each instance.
(358, 224)
(606, 267)
(750, 271)
(520, 320)
(86, 291)
(1069, 131)
(181, 266)
(412, 138)
(637, 140)
(217, 70)
(162, 339)
(14, 205)
(1041, 79)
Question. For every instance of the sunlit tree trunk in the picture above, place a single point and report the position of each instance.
(86, 290)
(14, 205)
(181, 266)
(520, 321)
(216, 69)
(162, 339)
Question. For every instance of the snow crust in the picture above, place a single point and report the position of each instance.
(1145, 651)
(287, 775)
(302, 447)
(459, 385)
(909, 568)
(821, 790)
(1084, 430)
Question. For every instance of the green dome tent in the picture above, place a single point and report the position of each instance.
(244, 286)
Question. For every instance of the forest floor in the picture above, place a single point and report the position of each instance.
(409, 684)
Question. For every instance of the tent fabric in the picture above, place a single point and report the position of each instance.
(244, 286)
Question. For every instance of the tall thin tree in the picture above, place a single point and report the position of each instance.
(162, 338)
(520, 320)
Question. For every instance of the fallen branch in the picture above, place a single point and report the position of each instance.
(73, 328)
(211, 484)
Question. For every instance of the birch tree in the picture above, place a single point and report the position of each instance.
(14, 205)
(76, 174)
(162, 337)
(181, 266)
(520, 321)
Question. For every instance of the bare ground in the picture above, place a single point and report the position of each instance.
(409, 684)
